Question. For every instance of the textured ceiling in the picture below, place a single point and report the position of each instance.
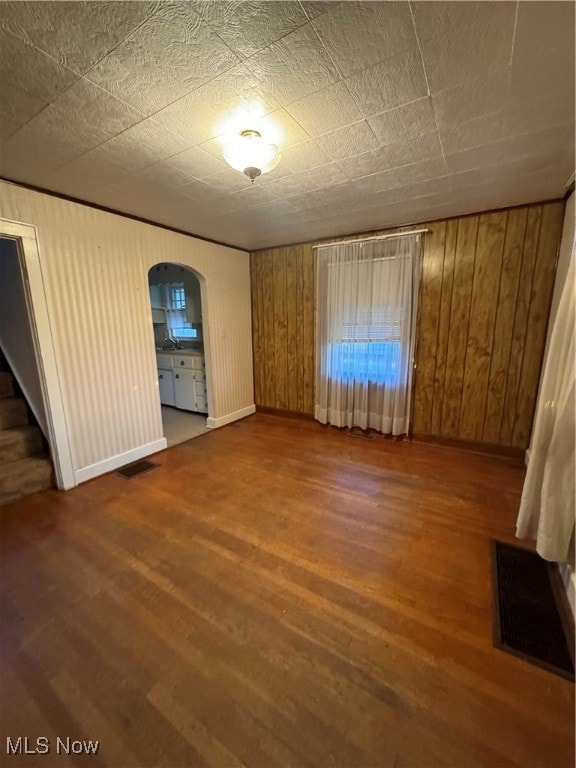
(386, 113)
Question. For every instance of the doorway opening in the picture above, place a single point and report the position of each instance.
(28, 344)
(177, 322)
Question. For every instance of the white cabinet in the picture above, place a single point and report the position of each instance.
(166, 386)
(184, 389)
(182, 381)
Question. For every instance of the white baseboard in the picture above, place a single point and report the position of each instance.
(120, 460)
(569, 581)
(230, 417)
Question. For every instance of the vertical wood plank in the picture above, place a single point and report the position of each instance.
(540, 299)
(444, 325)
(256, 328)
(269, 340)
(257, 290)
(458, 333)
(299, 310)
(484, 300)
(504, 326)
(262, 329)
(280, 329)
(427, 331)
(292, 321)
(529, 248)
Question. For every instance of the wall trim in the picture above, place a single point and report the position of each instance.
(391, 228)
(284, 412)
(116, 212)
(503, 451)
(221, 421)
(119, 460)
(490, 449)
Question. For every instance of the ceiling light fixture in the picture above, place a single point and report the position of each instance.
(250, 154)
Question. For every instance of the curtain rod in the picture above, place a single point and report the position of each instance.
(376, 237)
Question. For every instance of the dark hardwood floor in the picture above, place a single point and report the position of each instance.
(275, 593)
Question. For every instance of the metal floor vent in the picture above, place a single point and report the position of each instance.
(529, 619)
(359, 432)
(137, 468)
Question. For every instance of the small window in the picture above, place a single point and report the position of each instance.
(177, 298)
(183, 332)
(367, 344)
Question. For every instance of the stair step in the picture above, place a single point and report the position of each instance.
(25, 476)
(6, 384)
(19, 442)
(13, 412)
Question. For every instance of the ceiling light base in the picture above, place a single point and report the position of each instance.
(250, 154)
(252, 173)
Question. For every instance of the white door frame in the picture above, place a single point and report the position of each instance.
(26, 239)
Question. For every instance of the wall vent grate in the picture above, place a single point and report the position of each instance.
(137, 468)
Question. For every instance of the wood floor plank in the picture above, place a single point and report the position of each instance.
(274, 594)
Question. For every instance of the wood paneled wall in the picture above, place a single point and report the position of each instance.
(485, 295)
(484, 304)
(283, 327)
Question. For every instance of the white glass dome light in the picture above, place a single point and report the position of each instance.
(251, 154)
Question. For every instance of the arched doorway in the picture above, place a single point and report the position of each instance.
(179, 331)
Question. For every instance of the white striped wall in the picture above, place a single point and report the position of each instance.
(95, 268)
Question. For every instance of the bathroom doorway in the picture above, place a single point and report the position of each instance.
(177, 321)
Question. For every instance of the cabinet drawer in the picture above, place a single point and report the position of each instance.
(200, 388)
(164, 361)
(182, 362)
(198, 362)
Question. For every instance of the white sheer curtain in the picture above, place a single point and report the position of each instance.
(365, 326)
(548, 497)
